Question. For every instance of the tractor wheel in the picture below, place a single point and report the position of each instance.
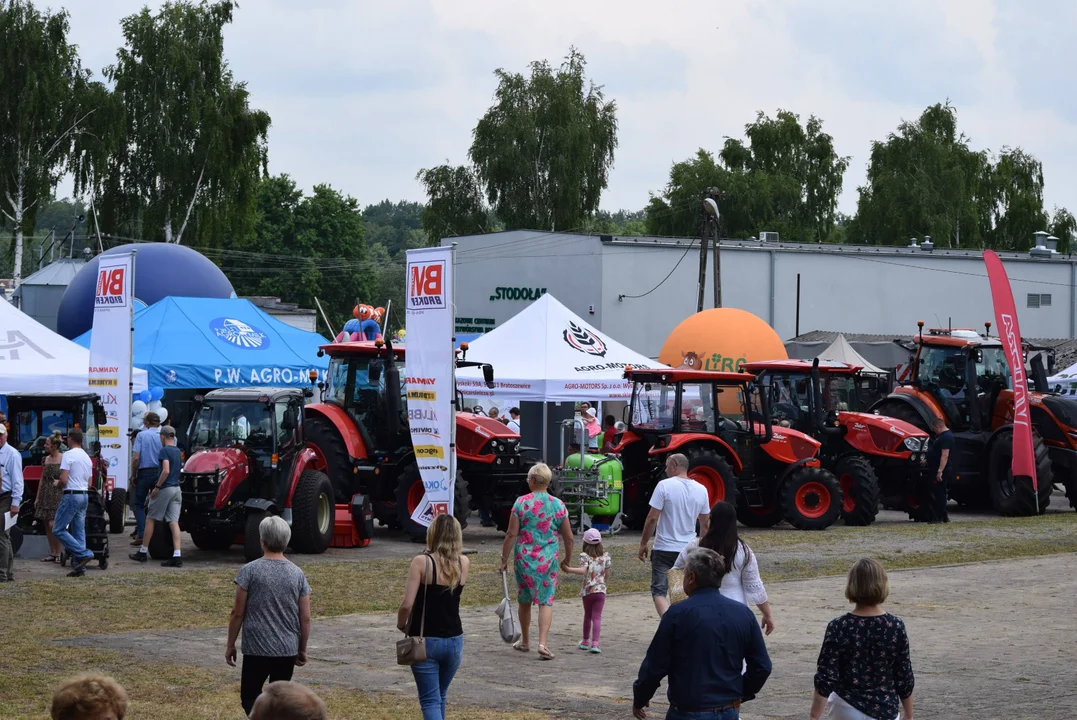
(323, 434)
(160, 546)
(635, 502)
(252, 541)
(901, 411)
(212, 540)
(811, 498)
(409, 493)
(759, 517)
(1063, 477)
(117, 511)
(918, 504)
(1010, 496)
(313, 513)
(972, 498)
(859, 490)
(713, 472)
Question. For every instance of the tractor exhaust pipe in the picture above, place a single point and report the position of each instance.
(818, 419)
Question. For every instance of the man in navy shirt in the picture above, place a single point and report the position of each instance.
(940, 468)
(703, 644)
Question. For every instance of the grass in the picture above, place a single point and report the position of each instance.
(112, 603)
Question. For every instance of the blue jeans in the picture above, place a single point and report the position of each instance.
(147, 478)
(728, 714)
(433, 675)
(69, 527)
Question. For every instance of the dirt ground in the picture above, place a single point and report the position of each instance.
(989, 640)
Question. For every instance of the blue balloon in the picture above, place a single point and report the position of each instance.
(156, 393)
(145, 396)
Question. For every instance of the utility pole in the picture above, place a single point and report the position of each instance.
(702, 259)
(711, 216)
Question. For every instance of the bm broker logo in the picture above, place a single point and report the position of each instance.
(111, 287)
(426, 286)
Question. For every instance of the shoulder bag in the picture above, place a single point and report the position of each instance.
(412, 650)
(506, 610)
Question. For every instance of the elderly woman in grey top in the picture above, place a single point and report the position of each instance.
(272, 606)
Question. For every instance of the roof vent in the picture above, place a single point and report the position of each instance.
(1043, 245)
(912, 242)
(927, 245)
(1052, 242)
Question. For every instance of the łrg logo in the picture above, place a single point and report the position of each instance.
(426, 286)
(111, 287)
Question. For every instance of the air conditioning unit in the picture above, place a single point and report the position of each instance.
(768, 237)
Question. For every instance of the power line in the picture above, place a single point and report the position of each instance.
(622, 297)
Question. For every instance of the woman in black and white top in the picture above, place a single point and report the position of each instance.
(431, 609)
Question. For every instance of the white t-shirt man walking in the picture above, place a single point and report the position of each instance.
(677, 503)
(76, 469)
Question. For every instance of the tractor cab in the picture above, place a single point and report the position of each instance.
(367, 386)
(794, 399)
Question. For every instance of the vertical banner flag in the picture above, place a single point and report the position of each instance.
(430, 377)
(110, 362)
(1024, 463)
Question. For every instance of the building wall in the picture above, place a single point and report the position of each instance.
(299, 321)
(849, 289)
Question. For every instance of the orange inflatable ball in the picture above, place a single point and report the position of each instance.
(720, 339)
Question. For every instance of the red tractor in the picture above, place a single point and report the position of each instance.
(361, 428)
(721, 422)
(249, 457)
(871, 455)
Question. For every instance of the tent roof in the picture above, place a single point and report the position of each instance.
(841, 351)
(547, 352)
(221, 342)
(35, 360)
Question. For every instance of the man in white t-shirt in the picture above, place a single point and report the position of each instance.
(677, 503)
(69, 527)
(514, 420)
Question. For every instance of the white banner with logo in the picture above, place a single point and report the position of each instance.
(431, 386)
(110, 361)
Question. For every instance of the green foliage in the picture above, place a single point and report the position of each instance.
(625, 223)
(1064, 227)
(1013, 196)
(544, 149)
(185, 150)
(455, 206)
(786, 179)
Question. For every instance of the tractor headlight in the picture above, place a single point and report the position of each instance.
(913, 443)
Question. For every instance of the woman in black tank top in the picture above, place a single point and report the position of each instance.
(431, 609)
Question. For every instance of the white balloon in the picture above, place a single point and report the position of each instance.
(138, 407)
(136, 420)
(154, 406)
(163, 413)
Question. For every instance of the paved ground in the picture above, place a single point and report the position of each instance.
(989, 640)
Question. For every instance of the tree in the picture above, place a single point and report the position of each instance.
(544, 150)
(626, 223)
(455, 206)
(189, 149)
(1013, 198)
(397, 226)
(1064, 227)
(43, 94)
(677, 212)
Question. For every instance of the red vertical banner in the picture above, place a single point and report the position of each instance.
(1024, 461)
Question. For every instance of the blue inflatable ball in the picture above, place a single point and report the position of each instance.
(161, 270)
(156, 393)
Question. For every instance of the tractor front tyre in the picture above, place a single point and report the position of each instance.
(252, 540)
(313, 513)
(859, 490)
(117, 511)
(759, 517)
(409, 495)
(918, 503)
(1015, 497)
(160, 545)
(811, 498)
(212, 540)
(714, 473)
(321, 433)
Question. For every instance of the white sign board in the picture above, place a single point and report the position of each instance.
(429, 377)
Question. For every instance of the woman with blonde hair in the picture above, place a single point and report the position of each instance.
(49, 493)
(431, 609)
(864, 669)
(536, 520)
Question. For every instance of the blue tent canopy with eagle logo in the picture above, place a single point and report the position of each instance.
(216, 342)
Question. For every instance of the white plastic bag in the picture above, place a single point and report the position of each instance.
(506, 610)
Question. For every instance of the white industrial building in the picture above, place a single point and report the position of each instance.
(637, 289)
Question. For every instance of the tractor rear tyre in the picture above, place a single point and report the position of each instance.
(117, 511)
(713, 472)
(212, 540)
(324, 435)
(811, 498)
(252, 541)
(859, 490)
(1011, 496)
(409, 493)
(759, 517)
(160, 545)
(313, 513)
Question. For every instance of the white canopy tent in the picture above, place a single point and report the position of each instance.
(548, 353)
(1066, 380)
(35, 360)
(841, 351)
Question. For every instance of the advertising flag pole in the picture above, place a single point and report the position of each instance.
(455, 409)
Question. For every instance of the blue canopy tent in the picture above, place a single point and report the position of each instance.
(216, 342)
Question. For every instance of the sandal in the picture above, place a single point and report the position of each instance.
(544, 653)
(519, 645)
(51, 558)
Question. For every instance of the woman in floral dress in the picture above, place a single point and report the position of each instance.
(48, 494)
(537, 518)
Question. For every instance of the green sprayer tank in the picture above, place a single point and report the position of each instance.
(609, 469)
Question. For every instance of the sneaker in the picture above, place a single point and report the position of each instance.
(584, 645)
(595, 649)
(173, 562)
(488, 523)
(79, 566)
(137, 542)
(77, 573)
(139, 556)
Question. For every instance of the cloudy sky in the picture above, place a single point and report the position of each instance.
(363, 94)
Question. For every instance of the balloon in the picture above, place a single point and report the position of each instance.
(138, 407)
(154, 406)
(136, 421)
(145, 396)
(163, 413)
(157, 393)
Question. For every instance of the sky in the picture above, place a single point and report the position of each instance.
(364, 94)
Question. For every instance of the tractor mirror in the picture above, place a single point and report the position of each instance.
(100, 417)
(289, 421)
(373, 373)
(488, 375)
